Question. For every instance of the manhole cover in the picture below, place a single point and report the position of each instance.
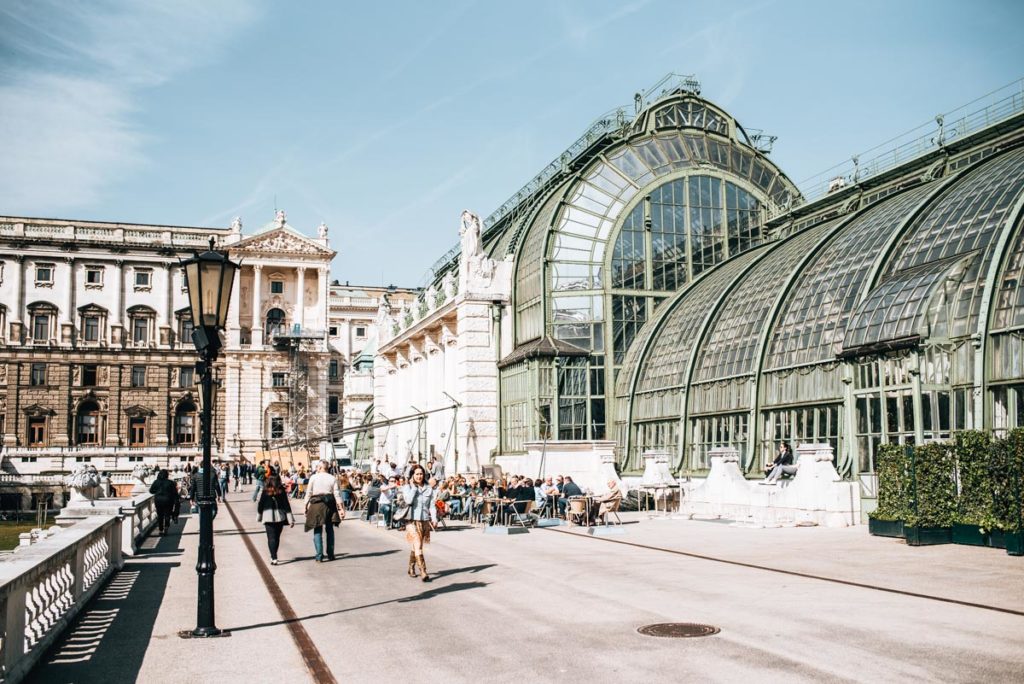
(678, 630)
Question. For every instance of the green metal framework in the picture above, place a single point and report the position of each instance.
(646, 210)
(902, 321)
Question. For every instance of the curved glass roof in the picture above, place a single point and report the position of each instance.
(963, 221)
(911, 267)
(731, 343)
(815, 313)
(678, 330)
(1009, 304)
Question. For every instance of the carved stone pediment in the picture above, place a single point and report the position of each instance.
(281, 241)
(138, 411)
(35, 410)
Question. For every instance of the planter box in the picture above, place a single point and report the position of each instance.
(920, 535)
(970, 535)
(1014, 543)
(885, 528)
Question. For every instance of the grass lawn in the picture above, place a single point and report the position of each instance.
(10, 529)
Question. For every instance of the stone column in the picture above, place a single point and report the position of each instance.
(18, 312)
(116, 329)
(66, 329)
(476, 385)
(234, 313)
(165, 314)
(257, 316)
(321, 303)
(300, 298)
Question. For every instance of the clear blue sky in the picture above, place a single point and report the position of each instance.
(386, 120)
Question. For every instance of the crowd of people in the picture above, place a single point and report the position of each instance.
(414, 498)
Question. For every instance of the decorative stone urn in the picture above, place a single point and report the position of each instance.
(140, 473)
(84, 482)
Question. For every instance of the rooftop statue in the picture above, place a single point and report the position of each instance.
(236, 224)
(475, 269)
(469, 231)
(321, 231)
(280, 218)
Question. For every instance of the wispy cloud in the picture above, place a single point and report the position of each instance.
(69, 89)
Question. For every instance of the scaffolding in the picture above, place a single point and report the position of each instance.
(304, 425)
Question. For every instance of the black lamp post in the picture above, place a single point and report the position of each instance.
(209, 277)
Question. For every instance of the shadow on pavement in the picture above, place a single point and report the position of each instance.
(370, 554)
(468, 568)
(422, 596)
(108, 640)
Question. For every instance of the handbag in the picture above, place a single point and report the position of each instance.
(403, 510)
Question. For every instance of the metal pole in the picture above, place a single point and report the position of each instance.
(206, 567)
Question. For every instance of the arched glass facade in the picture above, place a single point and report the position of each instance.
(897, 320)
(646, 211)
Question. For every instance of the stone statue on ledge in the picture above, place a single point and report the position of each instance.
(84, 482)
(475, 268)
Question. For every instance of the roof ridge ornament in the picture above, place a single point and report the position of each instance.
(280, 218)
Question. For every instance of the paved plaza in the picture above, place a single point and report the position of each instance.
(793, 604)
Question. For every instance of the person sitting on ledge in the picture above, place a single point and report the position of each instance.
(782, 465)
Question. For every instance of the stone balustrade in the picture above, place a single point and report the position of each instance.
(44, 586)
(92, 232)
(421, 308)
(139, 519)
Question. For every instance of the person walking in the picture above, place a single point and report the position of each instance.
(261, 476)
(274, 511)
(323, 507)
(419, 497)
(236, 474)
(165, 492)
(225, 480)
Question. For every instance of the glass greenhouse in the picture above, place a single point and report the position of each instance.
(674, 291)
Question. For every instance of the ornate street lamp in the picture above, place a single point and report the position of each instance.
(209, 277)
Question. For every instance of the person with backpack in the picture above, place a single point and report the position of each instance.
(274, 511)
(261, 476)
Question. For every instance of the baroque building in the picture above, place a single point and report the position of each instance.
(96, 358)
(352, 334)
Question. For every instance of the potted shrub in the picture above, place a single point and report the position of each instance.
(1006, 474)
(887, 519)
(932, 495)
(974, 521)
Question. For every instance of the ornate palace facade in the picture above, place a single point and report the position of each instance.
(96, 360)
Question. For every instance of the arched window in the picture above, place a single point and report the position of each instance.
(142, 320)
(275, 323)
(186, 428)
(92, 324)
(88, 424)
(42, 322)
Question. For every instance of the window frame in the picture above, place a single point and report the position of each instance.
(143, 271)
(37, 374)
(42, 424)
(136, 423)
(50, 268)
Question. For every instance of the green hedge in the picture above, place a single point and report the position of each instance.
(922, 488)
(973, 450)
(893, 484)
(1006, 473)
(932, 486)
